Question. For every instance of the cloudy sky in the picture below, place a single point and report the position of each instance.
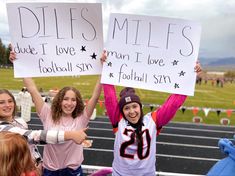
(217, 18)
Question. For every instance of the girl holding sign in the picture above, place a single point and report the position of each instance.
(9, 122)
(67, 112)
(136, 133)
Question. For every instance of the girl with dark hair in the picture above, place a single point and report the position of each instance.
(136, 133)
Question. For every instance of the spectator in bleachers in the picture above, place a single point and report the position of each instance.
(217, 82)
(213, 82)
(206, 80)
(198, 80)
(221, 82)
(24, 101)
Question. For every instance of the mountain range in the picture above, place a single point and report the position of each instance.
(218, 64)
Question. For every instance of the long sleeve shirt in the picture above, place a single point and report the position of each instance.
(131, 157)
(33, 137)
(164, 114)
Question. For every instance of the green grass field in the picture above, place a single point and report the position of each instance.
(206, 95)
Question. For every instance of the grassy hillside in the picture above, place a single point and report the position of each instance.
(206, 95)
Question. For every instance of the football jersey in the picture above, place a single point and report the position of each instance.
(140, 159)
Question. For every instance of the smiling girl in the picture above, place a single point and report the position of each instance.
(136, 133)
(11, 123)
(67, 112)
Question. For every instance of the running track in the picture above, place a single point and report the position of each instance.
(181, 147)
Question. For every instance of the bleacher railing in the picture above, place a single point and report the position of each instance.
(88, 170)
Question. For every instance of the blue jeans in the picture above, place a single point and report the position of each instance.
(63, 172)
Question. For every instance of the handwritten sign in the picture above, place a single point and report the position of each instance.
(56, 39)
(153, 53)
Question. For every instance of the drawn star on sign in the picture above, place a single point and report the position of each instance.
(83, 48)
(176, 86)
(111, 75)
(93, 56)
(175, 62)
(181, 73)
(110, 64)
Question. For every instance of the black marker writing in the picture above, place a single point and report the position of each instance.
(84, 67)
(149, 36)
(146, 33)
(22, 10)
(125, 23)
(168, 34)
(131, 75)
(43, 48)
(137, 32)
(47, 19)
(25, 50)
(161, 79)
(118, 55)
(159, 62)
(190, 42)
(65, 50)
(91, 25)
(53, 67)
(43, 21)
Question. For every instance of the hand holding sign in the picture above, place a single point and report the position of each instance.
(56, 39)
(152, 53)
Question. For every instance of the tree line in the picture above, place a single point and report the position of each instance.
(5, 51)
(230, 74)
(4, 54)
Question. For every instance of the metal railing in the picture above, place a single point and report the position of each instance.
(88, 170)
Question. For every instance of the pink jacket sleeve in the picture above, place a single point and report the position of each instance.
(167, 111)
(111, 103)
(164, 114)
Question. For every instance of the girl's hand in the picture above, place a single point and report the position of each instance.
(77, 136)
(87, 143)
(12, 56)
(103, 57)
(198, 68)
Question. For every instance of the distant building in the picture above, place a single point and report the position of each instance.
(215, 73)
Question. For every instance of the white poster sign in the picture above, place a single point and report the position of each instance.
(56, 39)
(153, 53)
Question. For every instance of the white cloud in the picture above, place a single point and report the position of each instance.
(216, 16)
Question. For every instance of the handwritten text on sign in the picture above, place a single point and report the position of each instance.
(56, 39)
(153, 53)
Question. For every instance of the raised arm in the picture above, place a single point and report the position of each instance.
(111, 103)
(94, 98)
(167, 111)
(96, 92)
(30, 85)
(36, 96)
(46, 136)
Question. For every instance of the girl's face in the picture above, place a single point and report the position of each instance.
(132, 112)
(6, 106)
(69, 103)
